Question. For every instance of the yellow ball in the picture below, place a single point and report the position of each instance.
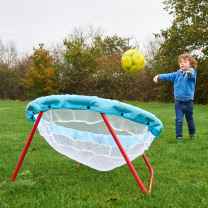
(133, 61)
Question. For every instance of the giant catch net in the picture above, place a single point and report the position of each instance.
(83, 136)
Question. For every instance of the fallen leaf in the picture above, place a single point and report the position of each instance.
(32, 149)
(79, 165)
(15, 149)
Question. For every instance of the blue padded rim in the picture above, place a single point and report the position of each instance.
(93, 103)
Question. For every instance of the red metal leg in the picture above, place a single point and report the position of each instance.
(151, 171)
(124, 154)
(26, 146)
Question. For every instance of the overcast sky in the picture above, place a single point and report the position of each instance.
(30, 22)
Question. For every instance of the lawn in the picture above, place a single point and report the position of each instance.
(49, 179)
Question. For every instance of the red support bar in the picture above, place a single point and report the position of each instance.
(124, 153)
(27, 146)
(151, 171)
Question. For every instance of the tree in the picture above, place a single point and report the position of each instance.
(81, 65)
(8, 53)
(41, 75)
(112, 44)
(151, 48)
(88, 33)
(189, 30)
(188, 34)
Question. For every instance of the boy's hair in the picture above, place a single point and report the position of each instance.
(188, 56)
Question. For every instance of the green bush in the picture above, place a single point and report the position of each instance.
(9, 85)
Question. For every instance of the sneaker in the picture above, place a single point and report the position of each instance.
(192, 137)
(179, 140)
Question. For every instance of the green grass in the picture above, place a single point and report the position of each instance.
(49, 179)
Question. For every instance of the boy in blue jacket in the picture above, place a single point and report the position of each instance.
(184, 88)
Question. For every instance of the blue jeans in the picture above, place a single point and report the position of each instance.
(181, 108)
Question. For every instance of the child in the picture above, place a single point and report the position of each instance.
(184, 88)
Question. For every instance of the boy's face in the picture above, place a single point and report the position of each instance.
(184, 64)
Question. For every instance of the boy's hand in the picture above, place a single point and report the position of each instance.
(189, 72)
(156, 78)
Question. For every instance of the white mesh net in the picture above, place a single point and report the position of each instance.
(83, 136)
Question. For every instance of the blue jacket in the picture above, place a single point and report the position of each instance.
(184, 87)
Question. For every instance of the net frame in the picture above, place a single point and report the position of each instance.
(157, 130)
